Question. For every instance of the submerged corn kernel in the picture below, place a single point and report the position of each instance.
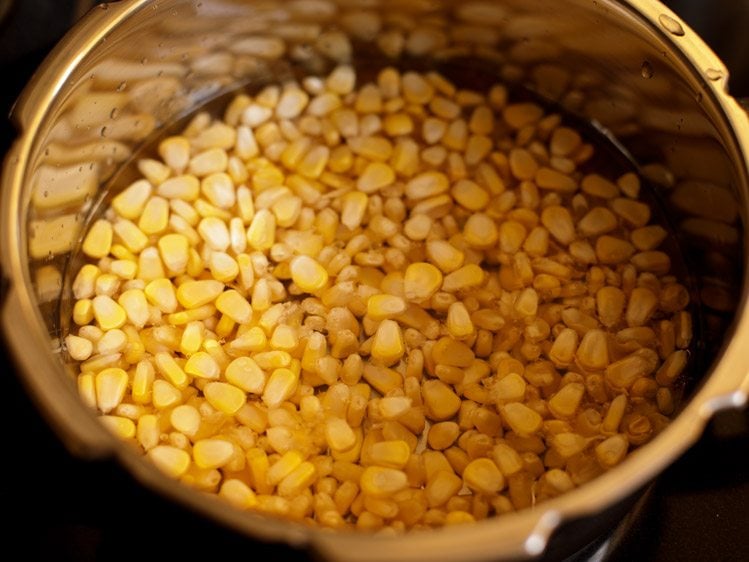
(326, 242)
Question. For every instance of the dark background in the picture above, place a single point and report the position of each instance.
(58, 508)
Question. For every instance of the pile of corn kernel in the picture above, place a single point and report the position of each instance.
(392, 307)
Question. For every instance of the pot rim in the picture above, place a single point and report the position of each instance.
(522, 534)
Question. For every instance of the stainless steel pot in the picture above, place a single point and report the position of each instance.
(630, 66)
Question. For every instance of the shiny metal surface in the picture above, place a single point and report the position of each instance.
(132, 66)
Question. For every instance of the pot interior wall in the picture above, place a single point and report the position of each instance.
(597, 61)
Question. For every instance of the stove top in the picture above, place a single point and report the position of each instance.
(60, 508)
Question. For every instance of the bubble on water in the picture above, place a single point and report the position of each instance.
(714, 74)
(113, 113)
(646, 70)
(103, 132)
(121, 86)
(671, 25)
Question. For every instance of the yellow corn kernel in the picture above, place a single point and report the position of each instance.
(79, 349)
(421, 281)
(237, 493)
(169, 368)
(244, 373)
(202, 365)
(374, 177)
(212, 453)
(107, 312)
(566, 401)
(280, 386)
(194, 294)
(483, 476)
(459, 323)
(381, 307)
(261, 234)
(130, 235)
(521, 418)
(390, 454)
(129, 203)
(123, 428)
(426, 185)
(224, 397)
(440, 401)
(160, 293)
(110, 384)
(172, 461)
(308, 274)
(98, 241)
(387, 345)
(382, 482)
(284, 338)
(142, 382)
(339, 435)
(174, 252)
(298, 480)
(480, 231)
(165, 395)
(611, 451)
(235, 306)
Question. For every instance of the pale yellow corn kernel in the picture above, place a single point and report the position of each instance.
(433, 129)
(261, 234)
(417, 227)
(202, 365)
(129, 203)
(122, 427)
(212, 453)
(284, 338)
(165, 395)
(566, 401)
(354, 205)
(142, 382)
(671, 368)
(238, 494)
(130, 235)
(98, 241)
(392, 407)
(244, 373)
(442, 486)
(396, 124)
(480, 231)
(298, 480)
(175, 152)
(174, 252)
(155, 216)
(634, 213)
(124, 269)
(210, 161)
(111, 385)
(420, 281)
(113, 341)
(314, 162)
(390, 454)
(510, 388)
(592, 353)
(612, 250)
(568, 444)
(107, 284)
(483, 476)
(526, 304)
(87, 389)
(611, 451)
(446, 256)
(160, 293)
(194, 294)
(376, 176)
(215, 233)
(523, 420)
(108, 313)
(170, 460)
(440, 401)
(186, 188)
(470, 195)
(341, 80)
(235, 306)
(381, 307)
(558, 222)
(382, 482)
(426, 185)
(219, 190)
(225, 397)
(339, 435)
(641, 306)
(629, 183)
(371, 147)
(79, 349)
(170, 369)
(85, 281)
(284, 466)
(648, 238)
(564, 141)
(149, 265)
(186, 419)
(459, 324)
(387, 344)
(308, 274)
(466, 277)
(507, 459)
(280, 386)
